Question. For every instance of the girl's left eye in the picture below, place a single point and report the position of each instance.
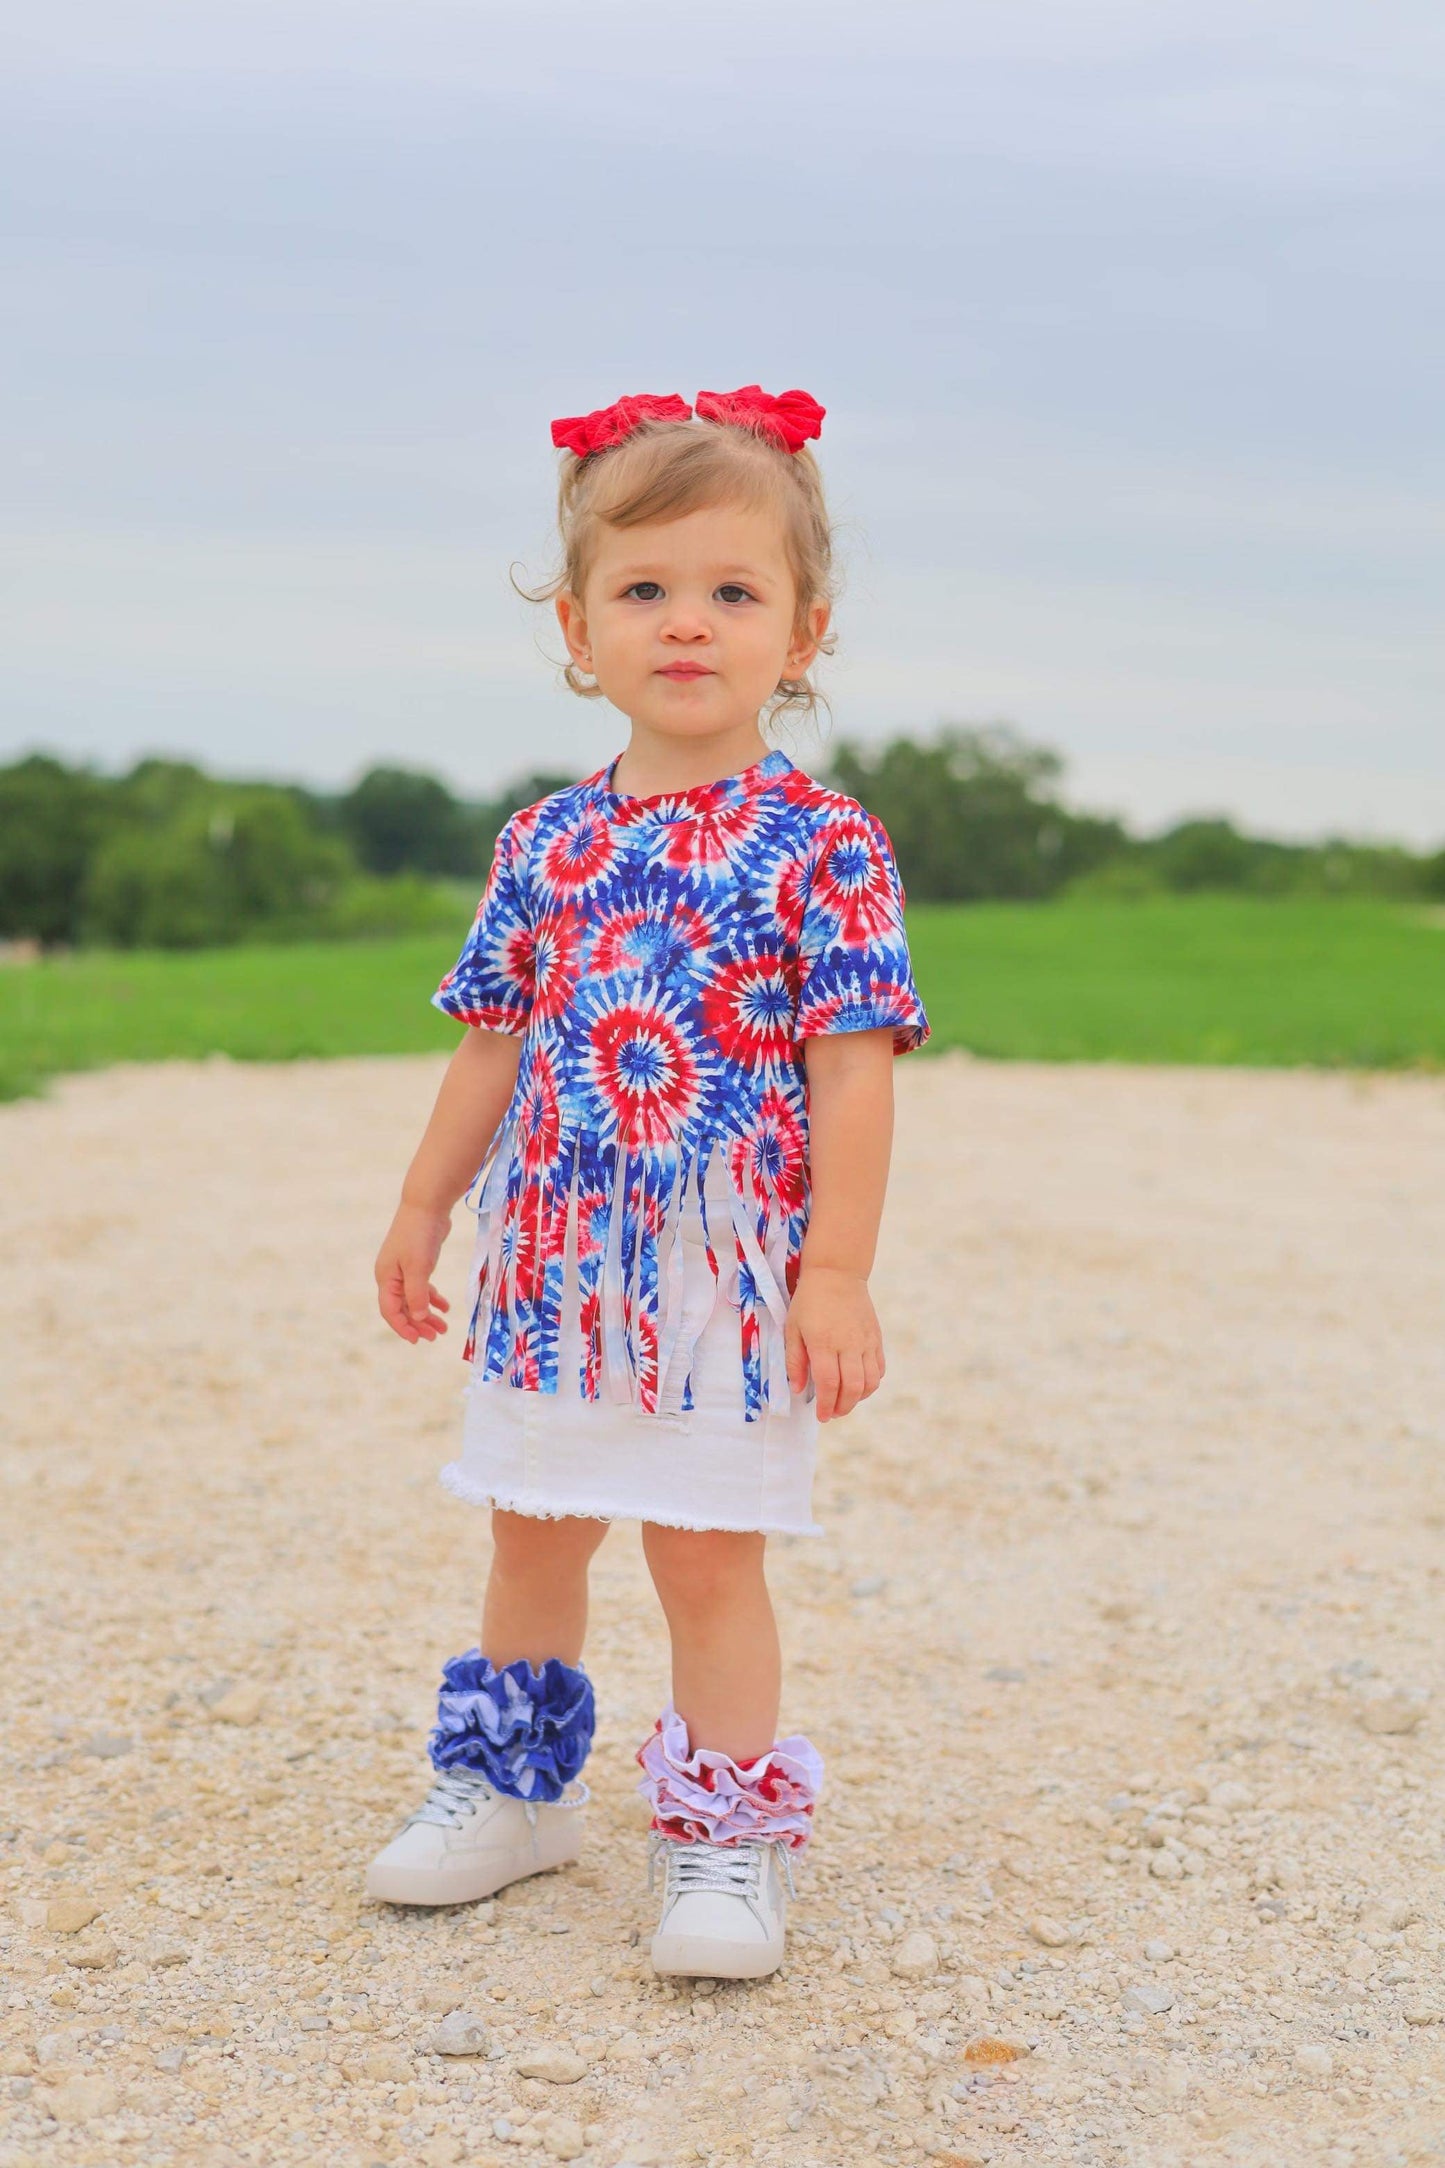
(733, 593)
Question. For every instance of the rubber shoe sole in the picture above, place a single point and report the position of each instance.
(470, 1875)
(704, 1957)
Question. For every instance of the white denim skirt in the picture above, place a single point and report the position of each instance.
(552, 1454)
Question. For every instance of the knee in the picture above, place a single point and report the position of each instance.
(526, 1546)
(696, 1571)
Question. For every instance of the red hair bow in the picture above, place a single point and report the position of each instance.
(605, 426)
(790, 418)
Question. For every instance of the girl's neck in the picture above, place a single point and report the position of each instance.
(653, 763)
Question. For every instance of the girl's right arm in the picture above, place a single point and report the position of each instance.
(475, 1094)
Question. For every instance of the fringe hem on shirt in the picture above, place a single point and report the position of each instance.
(630, 1268)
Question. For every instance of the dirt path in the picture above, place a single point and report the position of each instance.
(1116, 1647)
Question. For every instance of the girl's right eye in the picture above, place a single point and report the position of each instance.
(637, 585)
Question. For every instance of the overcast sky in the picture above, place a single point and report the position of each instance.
(1128, 320)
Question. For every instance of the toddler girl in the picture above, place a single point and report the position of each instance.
(684, 990)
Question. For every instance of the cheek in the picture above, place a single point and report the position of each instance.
(770, 636)
(618, 636)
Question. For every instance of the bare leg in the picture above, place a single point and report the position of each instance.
(536, 1602)
(726, 1662)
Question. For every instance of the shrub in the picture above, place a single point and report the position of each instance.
(212, 874)
(974, 813)
(398, 819)
(368, 907)
(52, 819)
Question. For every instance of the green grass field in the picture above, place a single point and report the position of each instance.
(1213, 979)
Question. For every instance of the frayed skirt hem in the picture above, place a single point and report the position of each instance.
(455, 1478)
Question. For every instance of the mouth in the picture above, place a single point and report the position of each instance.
(684, 670)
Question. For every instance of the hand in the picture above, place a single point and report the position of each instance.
(833, 1331)
(404, 1266)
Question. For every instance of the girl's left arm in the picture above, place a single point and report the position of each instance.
(833, 1329)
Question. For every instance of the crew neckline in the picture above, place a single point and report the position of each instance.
(698, 798)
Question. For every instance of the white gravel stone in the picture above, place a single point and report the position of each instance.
(557, 2065)
(916, 1957)
(84, 2100)
(1391, 1915)
(1391, 1712)
(1314, 2059)
(242, 1705)
(459, 2033)
(68, 1914)
(97, 1953)
(1147, 1999)
(1050, 1932)
(389, 2066)
(564, 2139)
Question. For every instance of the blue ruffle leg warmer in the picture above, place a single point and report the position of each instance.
(528, 1732)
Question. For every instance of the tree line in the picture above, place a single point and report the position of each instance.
(168, 856)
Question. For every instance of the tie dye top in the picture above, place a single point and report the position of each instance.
(663, 961)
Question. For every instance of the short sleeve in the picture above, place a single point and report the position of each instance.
(855, 970)
(493, 981)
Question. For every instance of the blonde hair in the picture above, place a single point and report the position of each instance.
(663, 470)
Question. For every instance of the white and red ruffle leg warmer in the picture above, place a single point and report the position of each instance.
(707, 1797)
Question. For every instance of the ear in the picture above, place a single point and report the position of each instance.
(574, 629)
(804, 648)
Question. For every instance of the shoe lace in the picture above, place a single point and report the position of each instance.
(735, 1869)
(458, 1793)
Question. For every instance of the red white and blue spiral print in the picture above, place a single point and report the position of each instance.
(663, 961)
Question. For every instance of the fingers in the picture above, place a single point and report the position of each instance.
(843, 1377)
(850, 1382)
(824, 1362)
(410, 1304)
(391, 1300)
(797, 1355)
(420, 1296)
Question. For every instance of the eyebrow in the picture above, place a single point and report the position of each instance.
(720, 572)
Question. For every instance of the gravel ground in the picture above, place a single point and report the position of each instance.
(1119, 1649)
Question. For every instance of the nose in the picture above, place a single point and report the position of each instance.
(687, 624)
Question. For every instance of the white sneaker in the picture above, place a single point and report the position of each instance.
(467, 1840)
(724, 1911)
